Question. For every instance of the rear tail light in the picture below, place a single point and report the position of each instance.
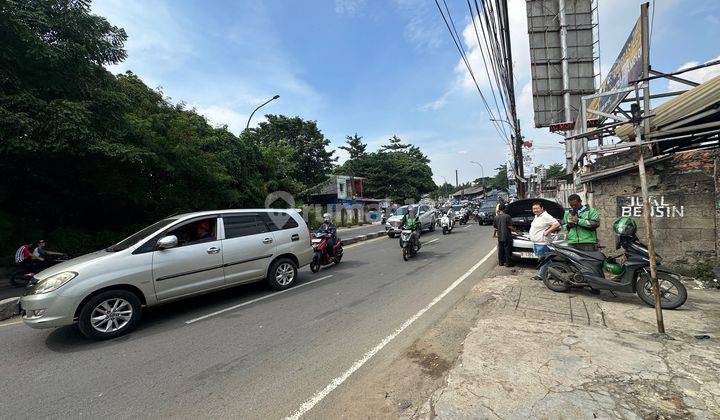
(309, 236)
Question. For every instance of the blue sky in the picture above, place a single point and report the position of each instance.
(375, 67)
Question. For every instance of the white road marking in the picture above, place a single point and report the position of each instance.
(431, 241)
(255, 300)
(309, 404)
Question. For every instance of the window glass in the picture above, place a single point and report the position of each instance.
(196, 232)
(279, 220)
(243, 225)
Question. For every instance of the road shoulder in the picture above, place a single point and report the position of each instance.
(535, 353)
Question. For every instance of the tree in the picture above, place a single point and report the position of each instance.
(313, 161)
(500, 181)
(555, 170)
(394, 145)
(355, 147)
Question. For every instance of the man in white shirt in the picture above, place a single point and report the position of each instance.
(542, 225)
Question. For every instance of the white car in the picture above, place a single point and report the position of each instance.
(522, 217)
(426, 214)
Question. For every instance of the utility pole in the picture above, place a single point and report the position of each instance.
(641, 163)
(517, 138)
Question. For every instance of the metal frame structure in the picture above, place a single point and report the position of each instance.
(560, 60)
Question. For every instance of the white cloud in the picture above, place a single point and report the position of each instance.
(424, 29)
(438, 103)
(699, 75)
(462, 152)
(349, 7)
(157, 38)
(219, 116)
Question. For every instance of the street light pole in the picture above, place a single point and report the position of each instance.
(482, 172)
(262, 105)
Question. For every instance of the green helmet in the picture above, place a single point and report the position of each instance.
(625, 226)
(613, 268)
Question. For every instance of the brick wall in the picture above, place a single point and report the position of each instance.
(683, 194)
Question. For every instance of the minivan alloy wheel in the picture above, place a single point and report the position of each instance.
(284, 274)
(111, 315)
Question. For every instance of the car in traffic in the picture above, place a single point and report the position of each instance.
(104, 292)
(427, 219)
(522, 216)
(486, 213)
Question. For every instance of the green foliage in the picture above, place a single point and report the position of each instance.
(500, 181)
(399, 171)
(556, 170)
(305, 142)
(355, 147)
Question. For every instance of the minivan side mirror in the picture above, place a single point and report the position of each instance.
(167, 242)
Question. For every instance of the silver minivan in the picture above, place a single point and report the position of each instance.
(181, 256)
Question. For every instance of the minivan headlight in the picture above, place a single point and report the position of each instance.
(53, 282)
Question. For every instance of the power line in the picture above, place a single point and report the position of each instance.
(457, 41)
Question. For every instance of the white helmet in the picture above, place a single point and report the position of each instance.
(327, 218)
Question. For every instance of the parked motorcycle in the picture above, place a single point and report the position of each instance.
(447, 224)
(22, 275)
(320, 255)
(569, 267)
(409, 244)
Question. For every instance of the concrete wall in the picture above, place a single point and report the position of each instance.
(683, 198)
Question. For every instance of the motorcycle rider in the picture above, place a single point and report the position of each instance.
(412, 222)
(451, 216)
(328, 228)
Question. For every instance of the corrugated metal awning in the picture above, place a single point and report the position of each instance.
(691, 117)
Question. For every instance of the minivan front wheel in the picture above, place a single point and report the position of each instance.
(282, 274)
(109, 314)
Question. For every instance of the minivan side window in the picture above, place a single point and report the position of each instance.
(196, 232)
(246, 224)
(279, 220)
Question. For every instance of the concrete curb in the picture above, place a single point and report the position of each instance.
(9, 307)
(361, 238)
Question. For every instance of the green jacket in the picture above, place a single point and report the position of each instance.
(410, 222)
(584, 231)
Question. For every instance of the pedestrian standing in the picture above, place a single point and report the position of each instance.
(581, 223)
(542, 225)
(503, 233)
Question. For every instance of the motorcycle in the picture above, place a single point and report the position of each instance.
(22, 275)
(447, 224)
(409, 244)
(464, 217)
(569, 267)
(320, 255)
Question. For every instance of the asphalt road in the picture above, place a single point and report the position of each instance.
(264, 359)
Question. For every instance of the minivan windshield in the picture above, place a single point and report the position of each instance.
(138, 236)
(402, 211)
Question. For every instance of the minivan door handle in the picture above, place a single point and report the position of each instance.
(295, 237)
(213, 250)
(267, 240)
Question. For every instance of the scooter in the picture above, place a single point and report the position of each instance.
(447, 224)
(569, 267)
(320, 256)
(410, 246)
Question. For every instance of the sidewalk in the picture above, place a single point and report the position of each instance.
(538, 354)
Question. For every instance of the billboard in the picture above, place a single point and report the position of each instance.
(546, 56)
(627, 68)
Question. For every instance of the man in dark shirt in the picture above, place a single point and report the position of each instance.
(503, 232)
